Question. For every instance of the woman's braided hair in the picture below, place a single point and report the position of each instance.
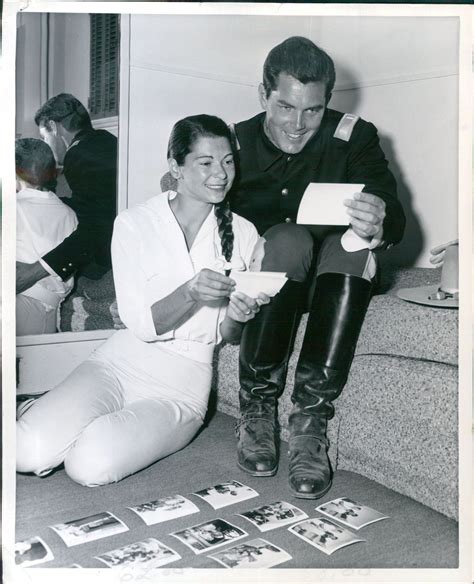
(183, 137)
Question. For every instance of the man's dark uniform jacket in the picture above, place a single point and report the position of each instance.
(90, 168)
(269, 183)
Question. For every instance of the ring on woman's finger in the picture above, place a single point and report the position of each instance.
(248, 312)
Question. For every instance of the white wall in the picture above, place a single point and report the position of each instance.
(400, 73)
(68, 48)
(28, 73)
(70, 55)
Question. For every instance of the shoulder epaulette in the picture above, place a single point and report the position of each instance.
(345, 127)
(234, 136)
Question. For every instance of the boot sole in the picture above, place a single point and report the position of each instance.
(258, 473)
(318, 495)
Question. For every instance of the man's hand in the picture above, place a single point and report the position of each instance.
(367, 213)
(242, 308)
(28, 274)
(438, 252)
(114, 313)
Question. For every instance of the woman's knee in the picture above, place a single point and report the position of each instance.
(33, 453)
(93, 460)
(288, 247)
(86, 468)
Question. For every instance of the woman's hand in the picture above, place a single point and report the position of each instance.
(242, 308)
(208, 285)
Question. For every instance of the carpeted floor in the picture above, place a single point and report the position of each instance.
(414, 536)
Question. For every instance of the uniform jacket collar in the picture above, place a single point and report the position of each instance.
(79, 136)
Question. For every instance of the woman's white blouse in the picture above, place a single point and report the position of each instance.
(150, 260)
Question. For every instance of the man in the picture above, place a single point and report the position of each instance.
(90, 166)
(295, 141)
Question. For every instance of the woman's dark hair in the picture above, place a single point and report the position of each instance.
(184, 135)
(302, 59)
(65, 109)
(35, 163)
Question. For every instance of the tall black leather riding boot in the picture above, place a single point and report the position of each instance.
(335, 319)
(265, 348)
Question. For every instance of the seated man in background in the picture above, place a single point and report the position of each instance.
(89, 159)
(42, 222)
(295, 141)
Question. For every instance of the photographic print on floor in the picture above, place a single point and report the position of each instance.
(149, 553)
(350, 512)
(209, 535)
(274, 515)
(164, 509)
(89, 528)
(324, 535)
(257, 553)
(31, 552)
(225, 494)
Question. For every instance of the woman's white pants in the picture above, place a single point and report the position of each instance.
(109, 419)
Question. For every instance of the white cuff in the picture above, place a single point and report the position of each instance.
(351, 242)
(49, 269)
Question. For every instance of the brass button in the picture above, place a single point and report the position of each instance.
(64, 270)
(70, 265)
(284, 192)
(287, 220)
(288, 159)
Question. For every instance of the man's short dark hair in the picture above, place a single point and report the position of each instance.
(303, 60)
(35, 163)
(66, 110)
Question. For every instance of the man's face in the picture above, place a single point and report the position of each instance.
(54, 139)
(294, 111)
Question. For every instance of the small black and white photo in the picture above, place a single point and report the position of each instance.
(31, 552)
(324, 535)
(149, 553)
(164, 509)
(210, 535)
(89, 528)
(274, 515)
(350, 512)
(224, 494)
(257, 553)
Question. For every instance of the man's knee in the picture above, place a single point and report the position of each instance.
(288, 248)
(334, 258)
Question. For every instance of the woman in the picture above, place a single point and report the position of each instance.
(143, 394)
(43, 221)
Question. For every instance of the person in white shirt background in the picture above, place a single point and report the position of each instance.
(43, 221)
(143, 394)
